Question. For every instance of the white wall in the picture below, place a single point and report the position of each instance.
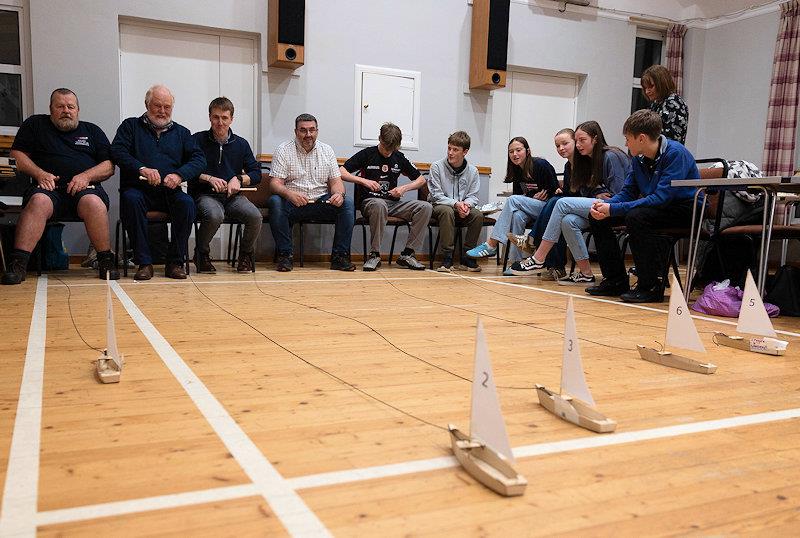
(723, 75)
(736, 70)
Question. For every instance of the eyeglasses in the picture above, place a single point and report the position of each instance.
(305, 131)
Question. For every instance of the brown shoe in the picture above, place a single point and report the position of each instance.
(173, 270)
(245, 264)
(145, 272)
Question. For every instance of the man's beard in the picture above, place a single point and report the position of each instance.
(66, 124)
(157, 123)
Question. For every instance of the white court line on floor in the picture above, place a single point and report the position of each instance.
(287, 505)
(132, 506)
(21, 491)
(417, 466)
(586, 297)
(348, 476)
(249, 280)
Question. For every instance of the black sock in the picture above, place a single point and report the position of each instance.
(22, 254)
(407, 252)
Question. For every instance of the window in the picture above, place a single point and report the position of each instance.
(12, 85)
(649, 51)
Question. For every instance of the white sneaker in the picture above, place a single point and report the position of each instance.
(522, 242)
(373, 262)
(410, 262)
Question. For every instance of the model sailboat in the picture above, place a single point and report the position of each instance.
(681, 333)
(753, 319)
(109, 364)
(574, 403)
(486, 452)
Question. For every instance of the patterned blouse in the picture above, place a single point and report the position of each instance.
(674, 115)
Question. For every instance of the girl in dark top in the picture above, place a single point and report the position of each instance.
(534, 182)
(598, 171)
(659, 88)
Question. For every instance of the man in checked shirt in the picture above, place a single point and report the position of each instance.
(307, 184)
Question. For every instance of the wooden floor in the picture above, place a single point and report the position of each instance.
(322, 409)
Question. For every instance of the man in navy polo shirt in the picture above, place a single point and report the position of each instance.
(230, 165)
(378, 195)
(155, 155)
(68, 159)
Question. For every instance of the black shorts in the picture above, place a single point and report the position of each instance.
(65, 206)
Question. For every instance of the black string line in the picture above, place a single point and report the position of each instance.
(74, 324)
(315, 366)
(531, 325)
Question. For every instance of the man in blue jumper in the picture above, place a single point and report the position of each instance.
(230, 165)
(646, 203)
(155, 155)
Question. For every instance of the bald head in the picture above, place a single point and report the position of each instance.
(159, 100)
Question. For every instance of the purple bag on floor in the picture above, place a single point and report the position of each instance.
(719, 299)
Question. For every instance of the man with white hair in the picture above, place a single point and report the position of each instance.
(67, 160)
(155, 156)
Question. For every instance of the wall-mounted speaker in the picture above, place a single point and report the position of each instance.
(489, 49)
(286, 21)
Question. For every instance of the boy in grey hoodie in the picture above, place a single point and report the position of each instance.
(454, 186)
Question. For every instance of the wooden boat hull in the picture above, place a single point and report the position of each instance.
(107, 370)
(488, 467)
(757, 344)
(667, 358)
(574, 411)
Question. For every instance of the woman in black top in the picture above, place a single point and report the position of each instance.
(659, 88)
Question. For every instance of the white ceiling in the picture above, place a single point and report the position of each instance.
(681, 9)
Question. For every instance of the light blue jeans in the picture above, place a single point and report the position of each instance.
(571, 217)
(517, 214)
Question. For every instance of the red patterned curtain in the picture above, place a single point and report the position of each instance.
(779, 142)
(674, 54)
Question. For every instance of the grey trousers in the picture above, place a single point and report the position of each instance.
(417, 212)
(212, 210)
(447, 218)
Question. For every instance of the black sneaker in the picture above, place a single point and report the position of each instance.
(203, 263)
(105, 265)
(341, 262)
(610, 288)
(16, 270)
(646, 294)
(284, 264)
(528, 266)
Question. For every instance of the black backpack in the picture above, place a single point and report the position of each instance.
(785, 290)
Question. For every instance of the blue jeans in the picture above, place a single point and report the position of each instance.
(283, 214)
(518, 212)
(557, 257)
(570, 217)
(134, 205)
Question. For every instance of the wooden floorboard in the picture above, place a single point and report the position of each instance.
(333, 376)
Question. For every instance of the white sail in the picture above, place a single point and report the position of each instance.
(111, 335)
(486, 421)
(681, 331)
(573, 381)
(753, 318)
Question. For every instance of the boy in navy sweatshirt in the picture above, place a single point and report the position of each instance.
(646, 203)
(230, 165)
